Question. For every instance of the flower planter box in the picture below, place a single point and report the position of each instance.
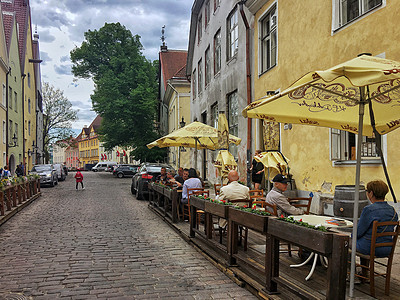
(217, 209)
(158, 188)
(250, 220)
(167, 193)
(312, 239)
(197, 202)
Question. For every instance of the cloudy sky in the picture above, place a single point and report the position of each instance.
(62, 23)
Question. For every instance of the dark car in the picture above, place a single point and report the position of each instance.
(147, 172)
(125, 170)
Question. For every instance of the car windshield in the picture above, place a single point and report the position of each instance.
(41, 168)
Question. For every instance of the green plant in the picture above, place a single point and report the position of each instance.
(301, 223)
(253, 210)
(222, 202)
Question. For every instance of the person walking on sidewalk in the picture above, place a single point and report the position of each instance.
(79, 178)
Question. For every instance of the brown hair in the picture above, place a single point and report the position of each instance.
(378, 188)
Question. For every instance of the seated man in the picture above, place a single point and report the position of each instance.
(275, 196)
(171, 179)
(379, 211)
(179, 176)
(234, 190)
(163, 175)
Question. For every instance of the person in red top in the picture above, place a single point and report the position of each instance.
(79, 178)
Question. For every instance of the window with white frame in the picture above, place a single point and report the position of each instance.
(214, 115)
(344, 144)
(194, 84)
(233, 34)
(216, 4)
(268, 40)
(4, 99)
(15, 102)
(346, 11)
(16, 130)
(207, 57)
(10, 93)
(199, 28)
(200, 76)
(217, 52)
(207, 14)
(10, 129)
(233, 120)
(4, 132)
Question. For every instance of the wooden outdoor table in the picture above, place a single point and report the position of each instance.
(331, 245)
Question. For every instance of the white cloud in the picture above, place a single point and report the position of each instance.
(62, 24)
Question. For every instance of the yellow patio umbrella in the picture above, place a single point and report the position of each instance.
(194, 135)
(225, 160)
(224, 163)
(274, 163)
(337, 98)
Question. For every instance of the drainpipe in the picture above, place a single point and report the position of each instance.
(177, 123)
(7, 137)
(248, 77)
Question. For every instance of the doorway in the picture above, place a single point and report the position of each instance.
(11, 164)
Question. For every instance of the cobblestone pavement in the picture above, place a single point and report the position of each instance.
(102, 243)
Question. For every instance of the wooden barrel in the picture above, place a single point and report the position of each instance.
(343, 200)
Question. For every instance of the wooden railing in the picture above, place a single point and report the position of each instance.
(15, 194)
(165, 200)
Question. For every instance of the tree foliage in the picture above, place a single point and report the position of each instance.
(58, 116)
(125, 92)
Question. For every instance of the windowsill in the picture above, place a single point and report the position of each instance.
(376, 161)
(357, 18)
(266, 71)
(233, 58)
(217, 74)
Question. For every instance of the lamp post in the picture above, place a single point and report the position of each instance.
(181, 149)
(15, 142)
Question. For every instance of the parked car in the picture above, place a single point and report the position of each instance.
(60, 172)
(147, 172)
(47, 173)
(125, 170)
(103, 166)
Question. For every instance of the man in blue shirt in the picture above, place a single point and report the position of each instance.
(379, 211)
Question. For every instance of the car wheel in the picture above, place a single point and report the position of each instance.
(133, 191)
(139, 195)
(120, 175)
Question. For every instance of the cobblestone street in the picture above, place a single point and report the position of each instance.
(102, 243)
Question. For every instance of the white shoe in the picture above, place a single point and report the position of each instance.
(83, 188)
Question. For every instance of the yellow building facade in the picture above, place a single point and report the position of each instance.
(178, 95)
(292, 38)
(88, 144)
(29, 91)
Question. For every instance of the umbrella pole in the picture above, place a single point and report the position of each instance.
(268, 183)
(357, 192)
(195, 154)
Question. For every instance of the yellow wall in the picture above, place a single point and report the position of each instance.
(3, 71)
(29, 94)
(306, 43)
(174, 119)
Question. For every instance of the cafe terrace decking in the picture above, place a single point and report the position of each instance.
(262, 264)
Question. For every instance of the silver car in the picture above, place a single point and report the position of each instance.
(47, 173)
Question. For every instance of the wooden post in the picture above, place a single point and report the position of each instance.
(14, 195)
(2, 203)
(208, 223)
(23, 191)
(35, 187)
(28, 190)
(174, 206)
(38, 184)
(19, 193)
(232, 241)
(193, 213)
(8, 198)
(337, 267)
(271, 263)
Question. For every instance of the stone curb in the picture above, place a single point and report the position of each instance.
(9, 214)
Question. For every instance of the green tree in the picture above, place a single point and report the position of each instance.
(125, 92)
(58, 116)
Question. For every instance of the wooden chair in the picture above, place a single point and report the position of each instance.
(256, 195)
(296, 202)
(264, 204)
(367, 262)
(186, 206)
(217, 188)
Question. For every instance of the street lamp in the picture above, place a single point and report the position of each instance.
(182, 123)
(15, 142)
